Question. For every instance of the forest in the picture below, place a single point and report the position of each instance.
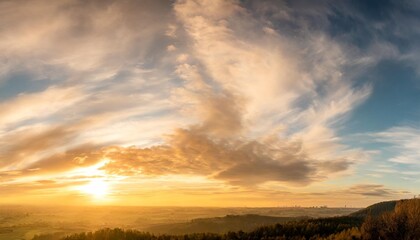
(386, 221)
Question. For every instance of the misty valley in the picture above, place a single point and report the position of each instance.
(385, 220)
(23, 222)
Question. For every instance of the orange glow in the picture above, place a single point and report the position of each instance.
(97, 188)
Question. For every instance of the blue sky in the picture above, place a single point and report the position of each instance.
(210, 102)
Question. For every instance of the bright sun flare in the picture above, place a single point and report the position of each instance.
(97, 188)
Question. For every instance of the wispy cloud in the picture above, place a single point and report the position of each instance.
(242, 93)
(405, 141)
(373, 190)
(260, 106)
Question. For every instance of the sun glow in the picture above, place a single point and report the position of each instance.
(98, 188)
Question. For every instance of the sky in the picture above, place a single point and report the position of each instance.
(209, 102)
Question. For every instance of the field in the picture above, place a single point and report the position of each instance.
(23, 222)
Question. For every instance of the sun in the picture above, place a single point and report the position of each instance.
(98, 188)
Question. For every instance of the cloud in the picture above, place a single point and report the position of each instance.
(77, 157)
(92, 67)
(86, 60)
(29, 106)
(187, 152)
(233, 161)
(404, 140)
(372, 190)
(259, 106)
(207, 88)
(278, 79)
(260, 85)
(40, 187)
(221, 115)
(79, 36)
(25, 147)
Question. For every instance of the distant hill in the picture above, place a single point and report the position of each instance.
(376, 209)
(225, 224)
(249, 222)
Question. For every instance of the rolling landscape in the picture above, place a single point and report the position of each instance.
(23, 222)
(209, 119)
(384, 220)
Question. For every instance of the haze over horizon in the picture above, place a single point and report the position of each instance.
(225, 103)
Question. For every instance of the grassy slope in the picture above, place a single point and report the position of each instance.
(376, 209)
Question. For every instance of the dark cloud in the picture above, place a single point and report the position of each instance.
(372, 190)
(337, 165)
(259, 172)
(234, 161)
